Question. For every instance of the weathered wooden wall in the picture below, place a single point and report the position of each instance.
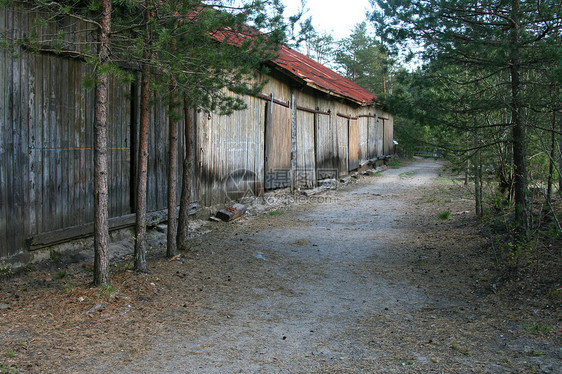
(46, 145)
(229, 147)
(353, 139)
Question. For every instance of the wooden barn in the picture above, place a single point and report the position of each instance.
(308, 124)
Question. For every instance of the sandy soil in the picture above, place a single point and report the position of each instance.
(362, 279)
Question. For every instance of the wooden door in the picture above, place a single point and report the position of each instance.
(277, 146)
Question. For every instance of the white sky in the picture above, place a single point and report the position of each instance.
(336, 17)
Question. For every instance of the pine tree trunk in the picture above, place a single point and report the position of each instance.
(519, 128)
(142, 164)
(172, 249)
(552, 160)
(101, 195)
(560, 158)
(183, 219)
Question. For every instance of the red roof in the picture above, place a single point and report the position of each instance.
(320, 77)
(305, 69)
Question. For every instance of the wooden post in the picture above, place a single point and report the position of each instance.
(293, 139)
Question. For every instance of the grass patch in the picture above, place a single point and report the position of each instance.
(5, 369)
(535, 353)
(107, 291)
(459, 348)
(406, 175)
(536, 328)
(444, 215)
(394, 164)
(276, 213)
(447, 181)
(69, 287)
(10, 354)
(377, 174)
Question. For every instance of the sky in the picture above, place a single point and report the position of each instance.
(336, 17)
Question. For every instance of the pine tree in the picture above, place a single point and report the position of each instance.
(509, 41)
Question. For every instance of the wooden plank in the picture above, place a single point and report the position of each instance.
(9, 143)
(326, 161)
(343, 144)
(380, 137)
(372, 138)
(353, 138)
(306, 162)
(277, 146)
(363, 123)
(390, 135)
(47, 239)
(384, 144)
(23, 154)
(4, 245)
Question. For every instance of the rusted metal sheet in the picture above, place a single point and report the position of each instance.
(353, 139)
(320, 77)
(277, 146)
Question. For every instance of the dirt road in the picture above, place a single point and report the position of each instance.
(363, 279)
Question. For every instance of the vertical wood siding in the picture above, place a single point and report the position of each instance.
(342, 139)
(353, 139)
(306, 164)
(230, 149)
(363, 123)
(326, 147)
(372, 135)
(46, 143)
(277, 145)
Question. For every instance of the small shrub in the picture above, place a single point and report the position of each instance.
(61, 274)
(444, 215)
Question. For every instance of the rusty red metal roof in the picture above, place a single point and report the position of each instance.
(304, 69)
(320, 77)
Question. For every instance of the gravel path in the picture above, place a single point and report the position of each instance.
(363, 279)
